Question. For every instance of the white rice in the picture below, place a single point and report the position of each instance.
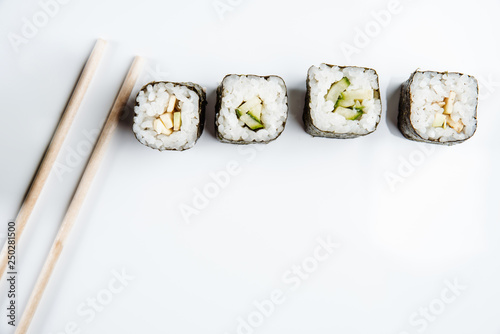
(237, 89)
(321, 79)
(152, 103)
(428, 88)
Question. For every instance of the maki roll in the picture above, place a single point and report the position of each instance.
(439, 108)
(250, 109)
(169, 115)
(341, 102)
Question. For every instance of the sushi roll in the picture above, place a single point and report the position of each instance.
(342, 102)
(438, 108)
(169, 115)
(250, 109)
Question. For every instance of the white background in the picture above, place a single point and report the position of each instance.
(398, 245)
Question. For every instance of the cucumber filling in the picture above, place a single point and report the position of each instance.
(250, 113)
(348, 103)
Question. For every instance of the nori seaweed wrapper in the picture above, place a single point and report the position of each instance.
(404, 115)
(218, 106)
(201, 105)
(308, 121)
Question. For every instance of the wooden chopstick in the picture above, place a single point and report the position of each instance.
(55, 145)
(81, 192)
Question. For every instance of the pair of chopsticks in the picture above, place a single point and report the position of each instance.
(86, 180)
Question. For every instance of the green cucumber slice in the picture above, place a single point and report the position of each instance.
(251, 122)
(256, 112)
(345, 103)
(336, 89)
(248, 105)
(349, 114)
(358, 106)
